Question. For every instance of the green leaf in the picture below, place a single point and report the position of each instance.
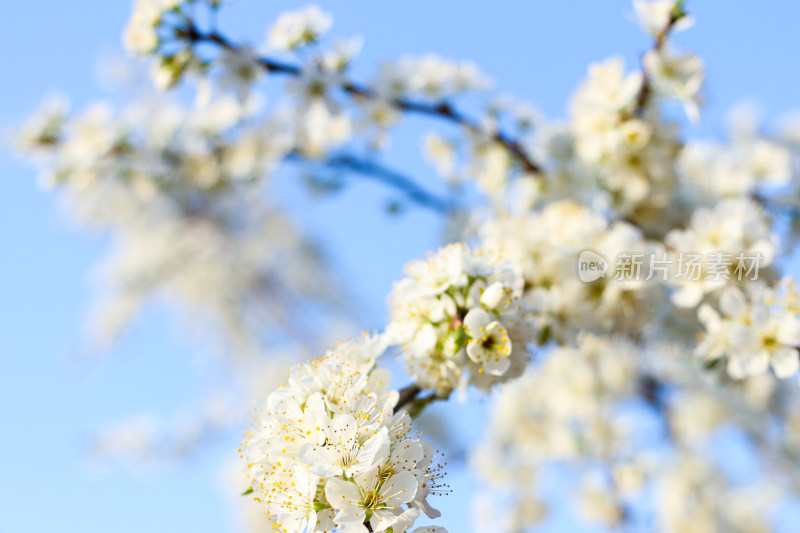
(248, 491)
(460, 338)
(319, 506)
(677, 10)
(544, 336)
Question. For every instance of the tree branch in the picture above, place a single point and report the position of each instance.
(407, 395)
(643, 96)
(441, 110)
(377, 172)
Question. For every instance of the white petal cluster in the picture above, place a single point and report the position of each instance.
(654, 15)
(733, 226)
(430, 75)
(240, 70)
(678, 76)
(564, 410)
(181, 190)
(459, 319)
(141, 33)
(321, 124)
(327, 449)
(195, 218)
(754, 330)
(695, 496)
(712, 170)
(295, 29)
(561, 407)
(628, 155)
(544, 247)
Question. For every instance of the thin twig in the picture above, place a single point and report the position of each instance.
(442, 110)
(407, 395)
(378, 172)
(643, 96)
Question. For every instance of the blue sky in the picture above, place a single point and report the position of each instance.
(51, 399)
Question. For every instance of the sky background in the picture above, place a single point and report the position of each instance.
(51, 400)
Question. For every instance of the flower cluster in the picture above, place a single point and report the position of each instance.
(459, 319)
(694, 495)
(328, 450)
(735, 225)
(758, 328)
(180, 190)
(141, 34)
(622, 150)
(748, 164)
(565, 409)
(430, 76)
(187, 195)
(295, 29)
(543, 249)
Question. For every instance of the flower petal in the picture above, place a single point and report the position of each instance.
(475, 320)
(400, 488)
(342, 494)
(785, 362)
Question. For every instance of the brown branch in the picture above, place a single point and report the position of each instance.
(643, 96)
(407, 395)
(373, 170)
(442, 110)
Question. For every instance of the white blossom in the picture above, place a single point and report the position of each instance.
(677, 76)
(653, 16)
(755, 331)
(240, 70)
(295, 29)
(457, 316)
(141, 36)
(327, 449)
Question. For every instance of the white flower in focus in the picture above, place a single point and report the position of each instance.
(369, 493)
(328, 450)
(488, 344)
(457, 316)
(291, 500)
(342, 451)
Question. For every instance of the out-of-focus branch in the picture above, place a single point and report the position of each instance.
(777, 206)
(378, 172)
(440, 110)
(643, 96)
(407, 395)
